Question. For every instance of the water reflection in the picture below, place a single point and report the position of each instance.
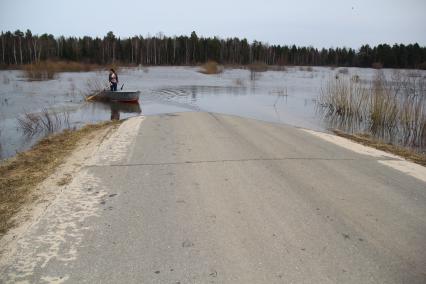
(269, 102)
(194, 91)
(117, 108)
(396, 134)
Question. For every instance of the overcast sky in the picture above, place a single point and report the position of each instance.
(320, 23)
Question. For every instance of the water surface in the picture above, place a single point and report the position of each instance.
(278, 96)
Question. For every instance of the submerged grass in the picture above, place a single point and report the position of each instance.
(256, 68)
(392, 109)
(19, 176)
(46, 121)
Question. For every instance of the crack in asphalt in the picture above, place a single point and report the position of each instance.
(234, 160)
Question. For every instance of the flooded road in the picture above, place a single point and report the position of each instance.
(197, 197)
(288, 96)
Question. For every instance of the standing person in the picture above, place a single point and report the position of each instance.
(113, 79)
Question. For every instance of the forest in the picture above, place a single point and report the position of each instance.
(20, 48)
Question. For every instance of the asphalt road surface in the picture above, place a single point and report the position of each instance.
(208, 198)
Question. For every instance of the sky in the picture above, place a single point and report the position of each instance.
(321, 23)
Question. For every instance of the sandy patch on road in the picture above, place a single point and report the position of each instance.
(116, 147)
(67, 198)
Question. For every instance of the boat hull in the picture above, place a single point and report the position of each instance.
(121, 96)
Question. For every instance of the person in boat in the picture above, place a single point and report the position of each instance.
(113, 79)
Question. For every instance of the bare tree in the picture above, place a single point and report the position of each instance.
(35, 40)
(174, 50)
(19, 35)
(14, 50)
(28, 38)
(2, 47)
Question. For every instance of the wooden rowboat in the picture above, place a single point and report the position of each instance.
(120, 96)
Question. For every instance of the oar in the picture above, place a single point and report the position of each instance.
(89, 98)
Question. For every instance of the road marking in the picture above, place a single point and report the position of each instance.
(396, 162)
(407, 167)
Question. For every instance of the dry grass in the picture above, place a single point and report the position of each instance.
(211, 67)
(343, 97)
(367, 140)
(19, 176)
(65, 180)
(255, 69)
(258, 67)
(392, 109)
(45, 121)
(46, 70)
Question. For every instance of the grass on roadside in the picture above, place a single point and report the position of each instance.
(367, 140)
(20, 175)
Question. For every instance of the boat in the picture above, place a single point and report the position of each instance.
(120, 96)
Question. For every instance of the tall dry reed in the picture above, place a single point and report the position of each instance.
(393, 108)
(45, 121)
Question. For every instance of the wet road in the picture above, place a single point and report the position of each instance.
(208, 198)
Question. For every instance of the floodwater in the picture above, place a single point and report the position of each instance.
(287, 96)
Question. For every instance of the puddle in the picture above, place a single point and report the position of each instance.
(276, 96)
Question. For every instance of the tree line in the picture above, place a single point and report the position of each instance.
(19, 48)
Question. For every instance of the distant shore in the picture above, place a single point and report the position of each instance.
(82, 66)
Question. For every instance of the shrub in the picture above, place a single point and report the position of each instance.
(211, 67)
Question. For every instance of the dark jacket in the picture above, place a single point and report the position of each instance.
(110, 77)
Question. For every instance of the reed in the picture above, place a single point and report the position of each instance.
(94, 87)
(394, 110)
(344, 98)
(255, 69)
(45, 121)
